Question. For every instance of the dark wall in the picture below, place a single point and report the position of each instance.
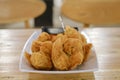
(46, 19)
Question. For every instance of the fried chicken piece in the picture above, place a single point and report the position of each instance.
(36, 46)
(72, 45)
(84, 41)
(75, 60)
(73, 33)
(27, 56)
(54, 37)
(41, 55)
(67, 53)
(46, 47)
(86, 49)
(41, 46)
(73, 48)
(40, 60)
(44, 37)
(59, 57)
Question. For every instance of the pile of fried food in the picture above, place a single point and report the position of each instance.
(63, 51)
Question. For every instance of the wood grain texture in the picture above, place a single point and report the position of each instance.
(92, 11)
(20, 10)
(105, 41)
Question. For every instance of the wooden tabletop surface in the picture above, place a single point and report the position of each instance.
(105, 41)
(20, 10)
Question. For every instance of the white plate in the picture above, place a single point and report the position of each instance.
(89, 66)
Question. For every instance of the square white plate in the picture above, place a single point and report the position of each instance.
(90, 65)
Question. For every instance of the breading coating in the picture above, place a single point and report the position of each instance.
(59, 57)
(87, 48)
(54, 37)
(44, 37)
(40, 60)
(27, 56)
(67, 54)
(73, 33)
(46, 47)
(36, 46)
(73, 48)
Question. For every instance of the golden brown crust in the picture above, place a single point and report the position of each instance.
(59, 58)
(73, 48)
(87, 48)
(54, 37)
(76, 60)
(36, 46)
(27, 56)
(40, 60)
(46, 47)
(44, 37)
(67, 54)
(71, 32)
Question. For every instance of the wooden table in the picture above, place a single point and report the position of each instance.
(105, 41)
(20, 10)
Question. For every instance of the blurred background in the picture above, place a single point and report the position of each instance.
(49, 18)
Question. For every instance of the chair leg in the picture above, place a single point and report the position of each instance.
(86, 25)
(27, 25)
